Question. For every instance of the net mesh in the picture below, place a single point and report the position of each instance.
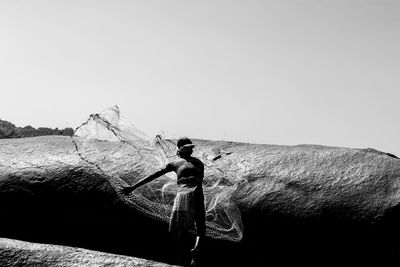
(155, 199)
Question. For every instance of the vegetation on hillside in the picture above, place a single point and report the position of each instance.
(9, 130)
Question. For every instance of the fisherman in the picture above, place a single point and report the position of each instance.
(188, 211)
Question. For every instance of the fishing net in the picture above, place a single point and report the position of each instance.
(155, 199)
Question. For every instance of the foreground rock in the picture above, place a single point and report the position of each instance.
(286, 203)
(19, 253)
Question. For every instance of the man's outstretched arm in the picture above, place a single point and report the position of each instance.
(129, 189)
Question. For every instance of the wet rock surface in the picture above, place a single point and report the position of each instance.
(302, 203)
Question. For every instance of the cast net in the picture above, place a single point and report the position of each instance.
(155, 199)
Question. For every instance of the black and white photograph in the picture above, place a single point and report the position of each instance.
(199, 133)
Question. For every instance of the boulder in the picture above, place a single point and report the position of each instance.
(264, 202)
(20, 253)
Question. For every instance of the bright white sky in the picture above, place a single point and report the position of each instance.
(277, 72)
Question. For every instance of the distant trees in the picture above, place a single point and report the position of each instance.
(9, 130)
(68, 131)
(28, 131)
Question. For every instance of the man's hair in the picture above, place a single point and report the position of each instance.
(183, 141)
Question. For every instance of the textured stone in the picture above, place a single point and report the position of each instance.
(20, 253)
(293, 200)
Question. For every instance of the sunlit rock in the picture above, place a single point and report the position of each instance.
(20, 253)
(270, 200)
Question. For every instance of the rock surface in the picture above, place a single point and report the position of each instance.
(20, 253)
(308, 201)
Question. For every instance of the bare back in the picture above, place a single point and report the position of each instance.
(187, 168)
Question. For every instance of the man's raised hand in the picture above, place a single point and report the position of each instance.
(127, 190)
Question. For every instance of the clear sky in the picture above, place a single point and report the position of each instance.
(274, 72)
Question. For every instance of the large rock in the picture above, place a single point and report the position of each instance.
(310, 202)
(20, 253)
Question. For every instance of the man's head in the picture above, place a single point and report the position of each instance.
(184, 147)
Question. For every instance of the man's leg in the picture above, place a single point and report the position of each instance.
(183, 245)
(200, 221)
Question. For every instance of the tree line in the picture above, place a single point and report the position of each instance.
(9, 130)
